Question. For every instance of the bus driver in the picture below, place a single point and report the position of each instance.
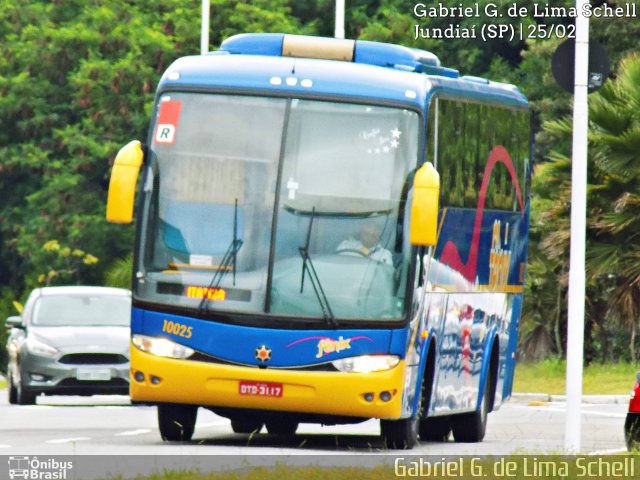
(367, 245)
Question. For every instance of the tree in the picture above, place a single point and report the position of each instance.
(613, 270)
(77, 82)
(615, 140)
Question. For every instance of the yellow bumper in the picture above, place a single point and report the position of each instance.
(211, 384)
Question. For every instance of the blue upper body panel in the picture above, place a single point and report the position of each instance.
(329, 79)
(238, 344)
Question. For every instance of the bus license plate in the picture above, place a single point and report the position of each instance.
(260, 389)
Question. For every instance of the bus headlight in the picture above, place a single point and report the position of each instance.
(366, 363)
(162, 347)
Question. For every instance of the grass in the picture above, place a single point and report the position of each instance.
(597, 379)
(437, 467)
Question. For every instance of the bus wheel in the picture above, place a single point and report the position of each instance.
(400, 434)
(246, 426)
(282, 427)
(435, 429)
(177, 422)
(471, 427)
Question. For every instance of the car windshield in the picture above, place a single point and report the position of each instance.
(275, 206)
(82, 310)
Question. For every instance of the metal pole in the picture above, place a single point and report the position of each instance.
(575, 327)
(204, 32)
(339, 27)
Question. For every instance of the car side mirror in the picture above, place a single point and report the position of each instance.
(423, 229)
(14, 322)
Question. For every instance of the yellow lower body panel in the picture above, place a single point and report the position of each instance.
(217, 385)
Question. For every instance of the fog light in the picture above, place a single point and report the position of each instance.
(368, 397)
(138, 376)
(385, 396)
(37, 377)
(155, 380)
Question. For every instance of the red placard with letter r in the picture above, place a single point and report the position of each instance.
(167, 122)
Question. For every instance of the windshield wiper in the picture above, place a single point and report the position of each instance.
(307, 266)
(227, 263)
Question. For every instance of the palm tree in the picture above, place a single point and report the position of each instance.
(613, 250)
(615, 141)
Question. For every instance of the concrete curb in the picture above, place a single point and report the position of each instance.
(588, 399)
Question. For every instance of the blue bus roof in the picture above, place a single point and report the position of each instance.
(375, 72)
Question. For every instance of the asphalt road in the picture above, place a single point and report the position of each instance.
(109, 425)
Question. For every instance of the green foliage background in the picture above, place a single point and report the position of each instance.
(77, 79)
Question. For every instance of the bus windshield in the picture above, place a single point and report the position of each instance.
(285, 207)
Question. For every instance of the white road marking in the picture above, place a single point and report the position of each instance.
(545, 408)
(612, 451)
(140, 431)
(597, 414)
(5, 446)
(68, 440)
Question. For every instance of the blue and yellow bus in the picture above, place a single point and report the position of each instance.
(327, 231)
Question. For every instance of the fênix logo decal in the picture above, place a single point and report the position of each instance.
(328, 345)
(32, 468)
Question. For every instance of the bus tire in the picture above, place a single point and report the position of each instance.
(435, 429)
(471, 427)
(432, 429)
(246, 426)
(177, 422)
(282, 427)
(400, 434)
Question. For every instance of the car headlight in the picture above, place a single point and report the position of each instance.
(162, 347)
(366, 363)
(37, 347)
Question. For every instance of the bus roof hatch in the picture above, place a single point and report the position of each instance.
(358, 51)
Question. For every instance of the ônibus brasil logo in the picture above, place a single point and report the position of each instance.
(31, 468)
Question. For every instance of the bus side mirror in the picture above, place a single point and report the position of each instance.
(424, 206)
(122, 185)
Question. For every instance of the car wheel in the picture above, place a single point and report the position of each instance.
(632, 431)
(471, 427)
(246, 426)
(177, 422)
(282, 427)
(12, 390)
(25, 397)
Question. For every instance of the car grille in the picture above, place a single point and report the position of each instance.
(93, 359)
(114, 382)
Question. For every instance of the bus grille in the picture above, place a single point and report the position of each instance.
(322, 367)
